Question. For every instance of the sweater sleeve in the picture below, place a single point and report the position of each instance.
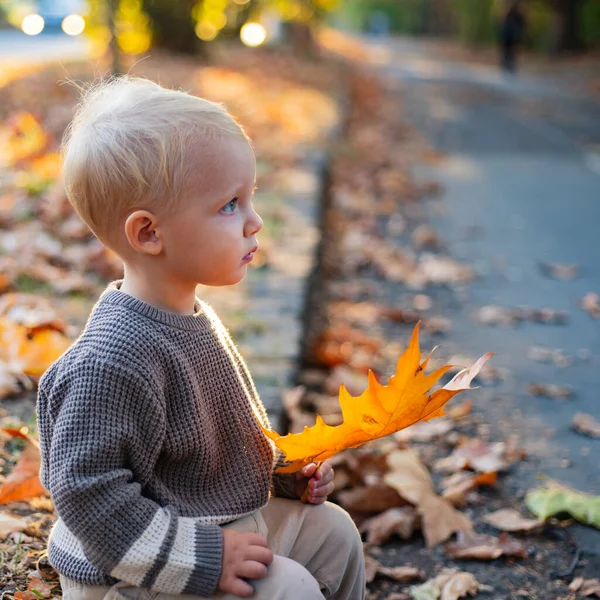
(105, 435)
(284, 484)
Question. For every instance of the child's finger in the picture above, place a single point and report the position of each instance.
(324, 490)
(324, 469)
(309, 470)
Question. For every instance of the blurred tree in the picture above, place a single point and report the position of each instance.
(568, 29)
(173, 25)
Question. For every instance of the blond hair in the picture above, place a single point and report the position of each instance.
(134, 144)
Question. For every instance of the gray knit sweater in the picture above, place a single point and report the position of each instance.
(149, 438)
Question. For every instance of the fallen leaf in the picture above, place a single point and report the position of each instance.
(586, 425)
(412, 481)
(559, 271)
(425, 237)
(370, 499)
(474, 453)
(549, 356)
(551, 390)
(30, 351)
(459, 585)
(422, 302)
(458, 486)
(39, 586)
(425, 431)
(458, 411)
(484, 547)
(400, 521)
(426, 591)
(554, 499)
(497, 315)
(401, 574)
(31, 311)
(10, 524)
(27, 595)
(23, 482)
(591, 303)
(379, 411)
(508, 519)
(450, 584)
(586, 587)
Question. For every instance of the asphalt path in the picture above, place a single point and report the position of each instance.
(521, 181)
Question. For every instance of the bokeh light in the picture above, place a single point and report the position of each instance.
(73, 24)
(206, 31)
(32, 24)
(253, 34)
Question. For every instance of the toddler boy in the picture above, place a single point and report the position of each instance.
(162, 479)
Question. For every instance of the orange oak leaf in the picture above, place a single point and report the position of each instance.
(23, 482)
(379, 411)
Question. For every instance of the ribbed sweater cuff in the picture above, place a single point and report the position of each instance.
(284, 485)
(209, 550)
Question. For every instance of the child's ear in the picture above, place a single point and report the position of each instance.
(141, 229)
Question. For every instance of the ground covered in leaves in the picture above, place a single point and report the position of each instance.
(377, 241)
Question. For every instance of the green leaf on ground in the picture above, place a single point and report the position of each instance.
(545, 502)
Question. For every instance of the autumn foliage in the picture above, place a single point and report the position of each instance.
(379, 411)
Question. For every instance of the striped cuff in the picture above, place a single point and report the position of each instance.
(209, 552)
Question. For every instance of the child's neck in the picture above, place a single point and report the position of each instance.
(165, 295)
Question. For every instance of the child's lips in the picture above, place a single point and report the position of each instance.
(250, 255)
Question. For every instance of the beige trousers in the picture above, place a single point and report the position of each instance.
(318, 553)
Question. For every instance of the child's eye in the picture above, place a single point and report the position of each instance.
(229, 208)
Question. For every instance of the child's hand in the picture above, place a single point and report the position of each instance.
(245, 556)
(315, 483)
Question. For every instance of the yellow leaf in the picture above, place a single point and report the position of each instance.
(30, 350)
(379, 411)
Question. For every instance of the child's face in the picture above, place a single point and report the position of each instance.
(211, 238)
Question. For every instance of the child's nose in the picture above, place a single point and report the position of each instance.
(254, 223)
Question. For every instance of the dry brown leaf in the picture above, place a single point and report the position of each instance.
(458, 411)
(39, 586)
(10, 524)
(559, 271)
(27, 595)
(586, 425)
(422, 302)
(508, 519)
(459, 585)
(400, 521)
(551, 390)
(32, 311)
(476, 454)
(401, 574)
(484, 547)
(586, 587)
(23, 482)
(425, 237)
(425, 431)
(458, 486)
(591, 303)
(450, 584)
(370, 499)
(411, 479)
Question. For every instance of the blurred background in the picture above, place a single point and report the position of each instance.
(553, 26)
(432, 161)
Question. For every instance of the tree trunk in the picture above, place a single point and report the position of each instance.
(114, 45)
(173, 26)
(568, 29)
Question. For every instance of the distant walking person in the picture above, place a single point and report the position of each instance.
(512, 29)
